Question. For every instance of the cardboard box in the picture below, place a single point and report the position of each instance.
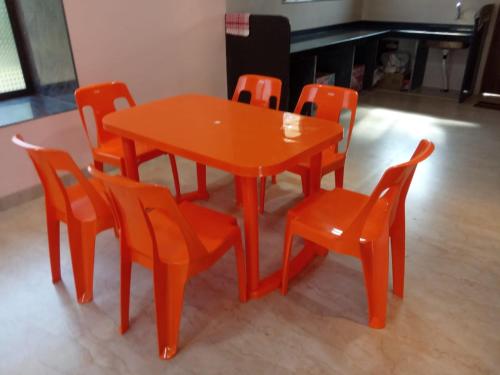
(325, 78)
(357, 77)
(392, 81)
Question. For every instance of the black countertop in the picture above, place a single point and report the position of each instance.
(307, 40)
(334, 37)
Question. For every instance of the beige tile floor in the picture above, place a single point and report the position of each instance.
(448, 323)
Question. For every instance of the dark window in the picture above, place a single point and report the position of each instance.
(37, 73)
(13, 79)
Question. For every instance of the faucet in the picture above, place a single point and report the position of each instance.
(459, 9)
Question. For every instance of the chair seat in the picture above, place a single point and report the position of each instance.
(329, 213)
(212, 228)
(330, 161)
(112, 151)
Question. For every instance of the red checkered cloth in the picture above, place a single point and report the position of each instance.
(238, 24)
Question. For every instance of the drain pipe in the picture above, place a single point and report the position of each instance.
(459, 9)
(444, 70)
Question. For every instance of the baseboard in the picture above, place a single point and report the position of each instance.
(58, 88)
(20, 197)
(34, 192)
(488, 105)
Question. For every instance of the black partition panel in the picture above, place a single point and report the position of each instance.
(481, 27)
(421, 55)
(366, 54)
(302, 72)
(265, 51)
(339, 60)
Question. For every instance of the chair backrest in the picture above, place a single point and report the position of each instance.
(329, 101)
(264, 91)
(101, 98)
(48, 162)
(393, 188)
(133, 203)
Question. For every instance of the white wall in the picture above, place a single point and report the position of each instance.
(158, 47)
(303, 15)
(432, 11)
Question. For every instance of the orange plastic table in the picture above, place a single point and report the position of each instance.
(244, 140)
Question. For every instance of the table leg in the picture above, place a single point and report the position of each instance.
(201, 193)
(258, 288)
(250, 209)
(130, 158)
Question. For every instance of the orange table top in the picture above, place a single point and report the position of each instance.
(241, 139)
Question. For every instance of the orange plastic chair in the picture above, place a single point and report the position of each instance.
(329, 101)
(101, 98)
(360, 225)
(82, 206)
(264, 92)
(176, 241)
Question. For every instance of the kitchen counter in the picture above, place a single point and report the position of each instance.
(311, 40)
(298, 58)
(332, 38)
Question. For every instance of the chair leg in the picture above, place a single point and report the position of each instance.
(123, 167)
(237, 190)
(115, 231)
(242, 275)
(53, 233)
(82, 247)
(99, 165)
(262, 193)
(305, 184)
(126, 273)
(175, 173)
(201, 177)
(287, 250)
(398, 253)
(169, 284)
(375, 259)
(339, 178)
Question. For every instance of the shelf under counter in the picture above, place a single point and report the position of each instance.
(354, 32)
(344, 46)
(331, 39)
